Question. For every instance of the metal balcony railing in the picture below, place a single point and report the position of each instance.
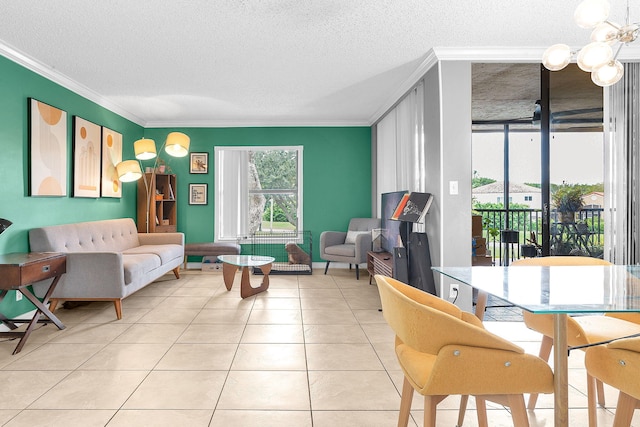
(582, 235)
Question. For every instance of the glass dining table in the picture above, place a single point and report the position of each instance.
(560, 291)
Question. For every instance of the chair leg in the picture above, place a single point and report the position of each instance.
(357, 272)
(481, 410)
(430, 404)
(600, 392)
(624, 410)
(591, 401)
(518, 411)
(405, 403)
(545, 352)
(326, 267)
(464, 399)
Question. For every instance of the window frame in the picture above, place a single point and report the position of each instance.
(243, 229)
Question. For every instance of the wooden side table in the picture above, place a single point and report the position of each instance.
(17, 272)
(379, 263)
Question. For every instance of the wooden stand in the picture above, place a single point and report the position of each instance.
(379, 263)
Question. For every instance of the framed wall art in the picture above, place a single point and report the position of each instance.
(48, 150)
(111, 156)
(199, 163)
(86, 158)
(197, 194)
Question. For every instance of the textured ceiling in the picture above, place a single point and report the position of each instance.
(271, 62)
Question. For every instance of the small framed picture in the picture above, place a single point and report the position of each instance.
(197, 194)
(199, 163)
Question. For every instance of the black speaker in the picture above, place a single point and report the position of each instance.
(400, 265)
(420, 273)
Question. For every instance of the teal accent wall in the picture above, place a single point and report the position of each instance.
(336, 180)
(336, 174)
(17, 85)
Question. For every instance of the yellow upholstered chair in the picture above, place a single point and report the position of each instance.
(443, 351)
(581, 330)
(618, 364)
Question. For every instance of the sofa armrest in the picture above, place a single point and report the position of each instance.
(363, 245)
(89, 274)
(161, 238)
(331, 238)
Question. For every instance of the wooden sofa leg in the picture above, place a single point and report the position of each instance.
(53, 303)
(118, 305)
(176, 272)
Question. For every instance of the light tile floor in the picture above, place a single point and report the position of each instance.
(313, 350)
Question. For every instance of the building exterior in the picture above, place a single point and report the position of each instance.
(521, 194)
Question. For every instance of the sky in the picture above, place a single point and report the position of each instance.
(576, 157)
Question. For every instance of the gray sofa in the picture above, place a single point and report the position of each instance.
(107, 260)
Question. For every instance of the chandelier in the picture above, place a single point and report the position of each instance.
(597, 57)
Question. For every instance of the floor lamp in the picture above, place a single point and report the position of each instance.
(176, 145)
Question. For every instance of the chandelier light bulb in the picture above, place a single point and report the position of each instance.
(590, 13)
(606, 32)
(607, 74)
(556, 57)
(593, 55)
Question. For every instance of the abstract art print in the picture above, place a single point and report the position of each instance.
(48, 150)
(86, 158)
(111, 156)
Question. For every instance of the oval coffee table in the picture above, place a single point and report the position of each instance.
(231, 264)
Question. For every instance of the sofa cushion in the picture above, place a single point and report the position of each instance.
(341, 250)
(165, 252)
(138, 265)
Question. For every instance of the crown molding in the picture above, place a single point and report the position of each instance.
(255, 123)
(55, 76)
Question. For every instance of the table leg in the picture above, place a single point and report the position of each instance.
(40, 308)
(560, 374)
(246, 290)
(228, 274)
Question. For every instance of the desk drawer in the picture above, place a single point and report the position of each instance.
(13, 276)
(43, 270)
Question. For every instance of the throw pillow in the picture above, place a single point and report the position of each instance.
(351, 236)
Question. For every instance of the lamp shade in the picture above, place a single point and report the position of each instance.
(177, 144)
(128, 171)
(4, 224)
(607, 74)
(556, 57)
(605, 32)
(590, 13)
(144, 149)
(594, 55)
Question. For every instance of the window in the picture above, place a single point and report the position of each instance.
(528, 198)
(258, 190)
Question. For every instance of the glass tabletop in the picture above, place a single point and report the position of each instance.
(246, 260)
(556, 289)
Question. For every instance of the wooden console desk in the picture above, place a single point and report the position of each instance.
(379, 263)
(17, 272)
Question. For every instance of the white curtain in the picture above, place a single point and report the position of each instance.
(231, 201)
(622, 168)
(400, 146)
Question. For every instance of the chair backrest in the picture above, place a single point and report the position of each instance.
(543, 323)
(560, 260)
(364, 224)
(427, 323)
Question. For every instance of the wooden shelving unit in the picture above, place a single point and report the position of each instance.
(379, 263)
(163, 209)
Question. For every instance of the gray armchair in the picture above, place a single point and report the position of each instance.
(349, 246)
